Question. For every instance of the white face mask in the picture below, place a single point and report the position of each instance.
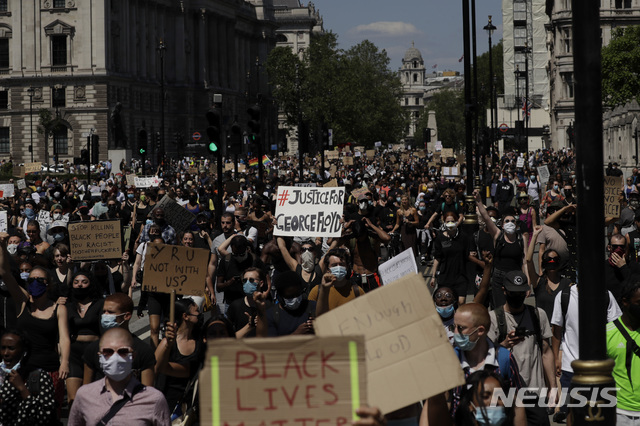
(12, 249)
(308, 261)
(115, 367)
(451, 226)
(293, 304)
(57, 216)
(509, 227)
(363, 205)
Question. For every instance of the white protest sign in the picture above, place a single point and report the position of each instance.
(6, 190)
(398, 266)
(543, 173)
(309, 212)
(146, 182)
(357, 154)
(371, 170)
(520, 162)
(22, 184)
(377, 144)
(439, 146)
(306, 184)
(4, 221)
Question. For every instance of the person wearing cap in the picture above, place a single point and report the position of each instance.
(525, 331)
(624, 225)
(57, 232)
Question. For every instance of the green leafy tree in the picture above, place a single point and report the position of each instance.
(448, 105)
(285, 71)
(621, 66)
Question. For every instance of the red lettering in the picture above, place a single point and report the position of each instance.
(318, 421)
(239, 424)
(292, 398)
(341, 421)
(304, 364)
(278, 422)
(324, 358)
(304, 421)
(264, 369)
(240, 407)
(328, 388)
(246, 365)
(309, 396)
(292, 364)
(270, 391)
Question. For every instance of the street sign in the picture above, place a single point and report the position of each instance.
(196, 136)
(503, 128)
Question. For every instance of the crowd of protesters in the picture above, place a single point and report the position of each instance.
(66, 343)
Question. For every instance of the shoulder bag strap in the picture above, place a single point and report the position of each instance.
(118, 405)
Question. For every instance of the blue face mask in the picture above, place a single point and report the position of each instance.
(6, 370)
(496, 416)
(30, 213)
(422, 208)
(463, 342)
(249, 288)
(339, 272)
(398, 199)
(24, 275)
(58, 236)
(108, 321)
(130, 196)
(445, 311)
(292, 304)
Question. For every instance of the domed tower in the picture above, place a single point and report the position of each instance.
(413, 67)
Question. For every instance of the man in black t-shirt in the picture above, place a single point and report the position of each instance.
(233, 265)
(121, 306)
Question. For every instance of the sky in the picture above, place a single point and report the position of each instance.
(434, 26)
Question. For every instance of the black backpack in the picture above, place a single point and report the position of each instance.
(501, 319)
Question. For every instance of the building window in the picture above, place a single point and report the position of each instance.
(59, 4)
(417, 101)
(567, 81)
(60, 142)
(566, 36)
(5, 140)
(4, 99)
(3, 6)
(623, 4)
(415, 78)
(58, 97)
(4, 53)
(519, 58)
(406, 101)
(520, 36)
(58, 50)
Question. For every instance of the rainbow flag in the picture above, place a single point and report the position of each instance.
(265, 161)
(253, 162)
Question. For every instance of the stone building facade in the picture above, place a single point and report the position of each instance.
(77, 59)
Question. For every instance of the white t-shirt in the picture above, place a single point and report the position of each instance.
(569, 347)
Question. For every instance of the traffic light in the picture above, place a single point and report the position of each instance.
(214, 120)
(254, 124)
(84, 156)
(235, 141)
(95, 149)
(325, 134)
(426, 134)
(142, 142)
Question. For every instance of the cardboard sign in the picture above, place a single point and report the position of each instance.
(309, 212)
(18, 171)
(404, 337)
(370, 153)
(7, 190)
(331, 184)
(4, 221)
(332, 155)
(612, 187)
(176, 215)
(228, 167)
(397, 147)
(358, 192)
(95, 240)
(21, 183)
(359, 149)
(398, 267)
(420, 154)
(447, 152)
(520, 162)
(32, 167)
(131, 179)
(348, 161)
(146, 182)
(543, 174)
(460, 159)
(179, 268)
(193, 170)
(333, 170)
(280, 380)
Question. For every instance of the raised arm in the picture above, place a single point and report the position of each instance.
(491, 227)
(531, 268)
(291, 262)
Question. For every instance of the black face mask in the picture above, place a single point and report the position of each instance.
(81, 292)
(551, 264)
(160, 221)
(515, 300)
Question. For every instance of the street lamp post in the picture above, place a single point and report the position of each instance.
(470, 218)
(527, 101)
(518, 106)
(161, 50)
(30, 91)
(490, 28)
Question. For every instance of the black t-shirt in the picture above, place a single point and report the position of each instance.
(387, 216)
(545, 299)
(89, 325)
(283, 322)
(509, 256)
(237, 314)
(452, 255)
(173, 387)
(143, 358)
(229, 267)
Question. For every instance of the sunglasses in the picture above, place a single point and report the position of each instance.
(307, 249)
(441, 296)
(39, 279)
(251, 280)
(509, 221)
(123, 351)
(615, 246)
